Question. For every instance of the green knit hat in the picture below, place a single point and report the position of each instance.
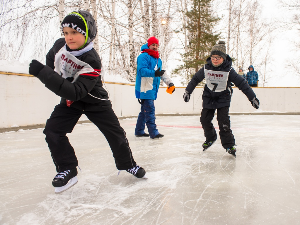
(219, 49)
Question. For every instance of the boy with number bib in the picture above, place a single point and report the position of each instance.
(72, 71)
(217, 92)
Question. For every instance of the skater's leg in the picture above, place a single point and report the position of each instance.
(109, 125)
(141, 121)
(226, 136)
(206, 118)
(149, 110)
(62, 121)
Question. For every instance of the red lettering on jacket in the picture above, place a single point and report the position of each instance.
(215, 75)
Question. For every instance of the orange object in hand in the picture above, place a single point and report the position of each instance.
(170, 90)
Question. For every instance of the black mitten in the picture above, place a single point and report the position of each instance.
(255, 103)
(159, 73)
(186, 96)
(35, 67)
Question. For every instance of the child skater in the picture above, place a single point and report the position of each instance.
(217, 92)
(72, 71)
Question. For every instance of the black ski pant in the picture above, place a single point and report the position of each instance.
(226, 136)
(62, 121)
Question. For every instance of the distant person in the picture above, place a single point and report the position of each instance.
(252, 77)
(72, 72)
(241, 72)
(149, 73)
(217, 92)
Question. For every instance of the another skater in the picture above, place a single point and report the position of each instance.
(149, 73)
(72, 71)
(252, 77)
(217, 92)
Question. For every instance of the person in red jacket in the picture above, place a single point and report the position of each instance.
(72, 71)
(148, 77)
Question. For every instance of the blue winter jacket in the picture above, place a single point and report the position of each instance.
(252, 76)
(146, 84)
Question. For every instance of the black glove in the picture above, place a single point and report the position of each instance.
(159, 73)
(35, 67)
(186, 96)
(255, 103)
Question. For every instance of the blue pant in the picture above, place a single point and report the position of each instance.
(146, 116)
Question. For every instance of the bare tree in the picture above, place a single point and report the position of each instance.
(229, 25)
(95, 15)
(61, 10)
(130, 43)
(123, 27)
(154, 18)
(23, 23)
(145, 18)
(86, 4)
(293, 24)
(112, 57)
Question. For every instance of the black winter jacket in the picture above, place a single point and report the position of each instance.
(86, 91)
(217, 90)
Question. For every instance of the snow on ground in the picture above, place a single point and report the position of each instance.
(185, 185)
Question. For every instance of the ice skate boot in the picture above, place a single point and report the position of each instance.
(142, 135)
(137, 171)
(158, 136)
(231, 150)
(207, 144)
(64, 180)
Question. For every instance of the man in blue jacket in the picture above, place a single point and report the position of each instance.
(252, 77)
(146, 87)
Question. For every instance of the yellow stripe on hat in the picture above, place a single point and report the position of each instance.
(86, 27)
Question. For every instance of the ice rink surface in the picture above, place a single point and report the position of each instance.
(185, 185)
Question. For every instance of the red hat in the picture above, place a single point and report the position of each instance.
(152, 40)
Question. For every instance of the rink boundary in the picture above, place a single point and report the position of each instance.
(26, 102)
(38, 126)
(119, 83)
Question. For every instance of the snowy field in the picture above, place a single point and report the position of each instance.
(185, 185)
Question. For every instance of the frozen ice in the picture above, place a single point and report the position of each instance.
(185, 185)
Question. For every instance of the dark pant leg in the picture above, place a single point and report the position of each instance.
(149, 111)
(141, 121)
(62, 121)
(206, 118)
(227, 138)
(109, 125)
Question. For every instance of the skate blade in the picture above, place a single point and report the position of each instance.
(71, 182)
(144, 177)
(233, 154)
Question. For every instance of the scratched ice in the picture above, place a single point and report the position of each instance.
(185, 185)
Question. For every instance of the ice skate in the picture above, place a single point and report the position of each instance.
(207, 144)
(142, 135)
(158, 136)
(137, 171)
(64, 180)
(231, 150)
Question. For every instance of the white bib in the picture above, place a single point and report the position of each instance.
(216, 81)
(67, 65)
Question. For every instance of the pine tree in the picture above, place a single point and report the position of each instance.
(200, 22)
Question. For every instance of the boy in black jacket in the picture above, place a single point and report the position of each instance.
(217, 92)
(72, 71)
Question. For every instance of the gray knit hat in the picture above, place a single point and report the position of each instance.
(219, 49)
